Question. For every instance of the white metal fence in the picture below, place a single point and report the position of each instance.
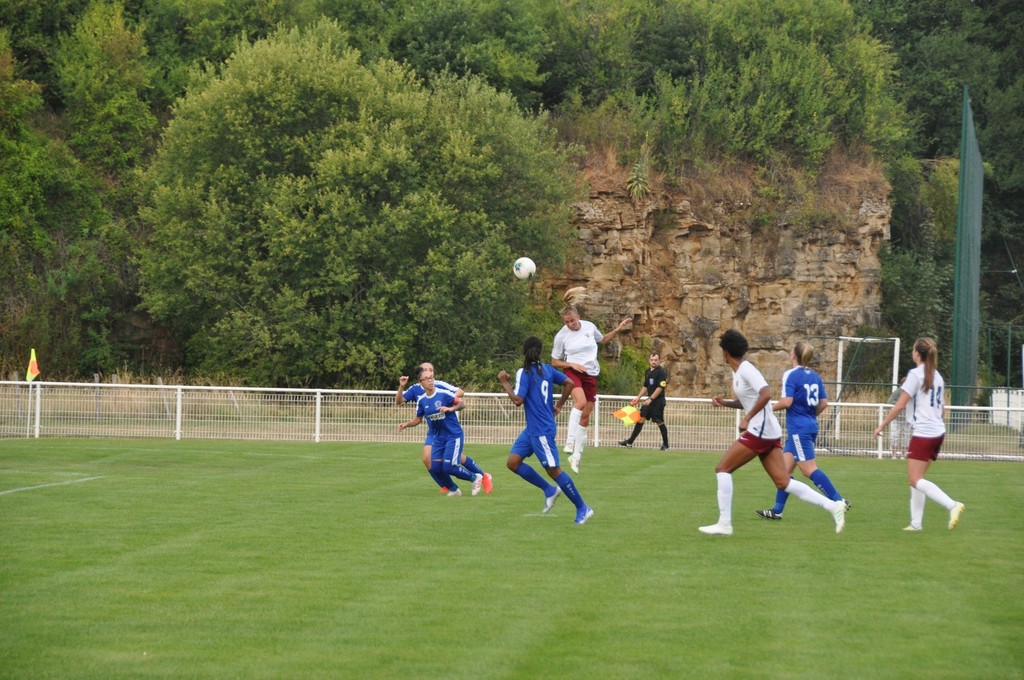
(61, 409)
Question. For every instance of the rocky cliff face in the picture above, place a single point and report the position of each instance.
(685, 277)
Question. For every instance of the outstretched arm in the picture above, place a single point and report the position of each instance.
(613, 332)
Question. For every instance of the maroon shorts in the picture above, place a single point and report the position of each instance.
(925, 448)
(587, 383)
(758, 445)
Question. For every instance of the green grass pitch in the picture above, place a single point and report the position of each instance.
(235, 559)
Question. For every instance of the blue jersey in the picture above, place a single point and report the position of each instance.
(442, 426)
(807, 390)
(538, 402)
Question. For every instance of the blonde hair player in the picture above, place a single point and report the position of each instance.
(923, 392)
(574, 352)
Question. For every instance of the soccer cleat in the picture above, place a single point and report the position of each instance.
(574, 463)
(664, 447)
(911, 527)
(954, 515)
(453, 494)
(549, 501)
(625, 442)
(583, 514)
(488, 483)
(718, 529)
(444, 489)
(478, 483)
(768, 514)
(839, 512)
(570, 444)
(848, 504)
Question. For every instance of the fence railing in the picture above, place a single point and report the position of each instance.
(64, 409)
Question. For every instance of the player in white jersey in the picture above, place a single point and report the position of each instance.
(574, 352)
(761, 437)
(923, 393)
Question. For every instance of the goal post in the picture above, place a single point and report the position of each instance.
(859, 368)
(844, 339)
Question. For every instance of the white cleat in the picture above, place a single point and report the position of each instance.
(478, 483)
(911, 527)
(569, 446)
(549, 501)
(839, 512)
(574, 463)
(954, 515)
(457, 492)
(718, 529)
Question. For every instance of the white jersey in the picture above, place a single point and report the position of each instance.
(925, 407)
(578, 347)
(747, 383)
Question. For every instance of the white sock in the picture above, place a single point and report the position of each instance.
(574, 423)
(917, 499)
(724, 498)
(935, 493)
(579, 442)
(809, 495)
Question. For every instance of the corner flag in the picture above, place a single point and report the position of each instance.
(33, 367)
(628, 415)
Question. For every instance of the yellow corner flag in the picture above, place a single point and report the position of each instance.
(33, 367)
(628, 415)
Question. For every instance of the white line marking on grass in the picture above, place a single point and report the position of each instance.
(278, 455)
(43, 486)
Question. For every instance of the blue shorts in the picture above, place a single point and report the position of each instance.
(801, 446)
(448, 450)
(544, 446)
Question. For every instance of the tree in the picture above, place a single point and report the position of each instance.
(58, 246)
(315, 219)
(101, 74)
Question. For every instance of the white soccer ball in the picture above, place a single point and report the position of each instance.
(524, 268)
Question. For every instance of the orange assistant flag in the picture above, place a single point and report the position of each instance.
(628, 415)
(33, 367)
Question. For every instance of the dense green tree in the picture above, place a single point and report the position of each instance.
(315, 219)
(59, 249)
(500, 40)
(102, 76)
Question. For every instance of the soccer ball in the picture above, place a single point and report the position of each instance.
(524, 268)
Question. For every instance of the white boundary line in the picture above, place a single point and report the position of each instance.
(43, 486)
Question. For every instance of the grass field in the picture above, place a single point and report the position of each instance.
(232, 559)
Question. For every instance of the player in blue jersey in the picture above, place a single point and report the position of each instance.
(535, 382)
(439, 407)
(411, 394)
(923, 396)
(803, 400)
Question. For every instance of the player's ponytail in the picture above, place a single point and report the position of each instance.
(804, 352)
(929, 353)
(532, 347)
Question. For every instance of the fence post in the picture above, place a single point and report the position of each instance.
(39, 405)
(316, 424)
(177, 413)
(881, 416)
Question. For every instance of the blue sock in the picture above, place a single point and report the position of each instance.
(442, 478)
(569, 489)
(822, 481)
(459, 471)
(530, 475)
(436, 475)
(472, 466)
(780, 501)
